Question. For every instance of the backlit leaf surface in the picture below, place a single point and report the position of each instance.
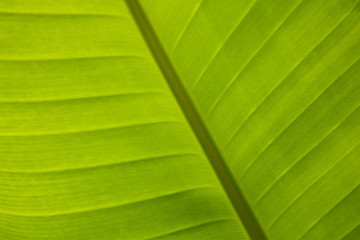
(94, 144)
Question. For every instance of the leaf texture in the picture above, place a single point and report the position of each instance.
(95, 145)
(276, 83)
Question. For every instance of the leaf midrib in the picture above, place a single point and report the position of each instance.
(204, 137)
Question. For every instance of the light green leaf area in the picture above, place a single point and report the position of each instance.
(95, 142)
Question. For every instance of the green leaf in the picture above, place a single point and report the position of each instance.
(277, 84)
(204, 119)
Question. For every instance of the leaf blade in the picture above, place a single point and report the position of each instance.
(93, 144)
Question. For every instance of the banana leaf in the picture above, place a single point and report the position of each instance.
(158, 119)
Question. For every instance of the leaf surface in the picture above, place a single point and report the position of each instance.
(276, 83)
(93, 144)
(205, 119)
